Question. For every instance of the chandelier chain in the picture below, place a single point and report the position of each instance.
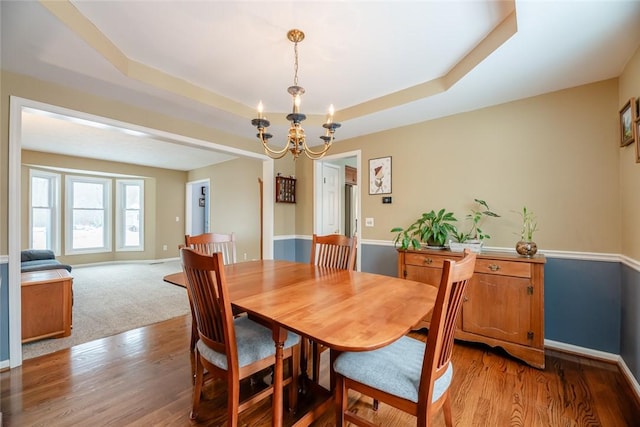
(295, 64)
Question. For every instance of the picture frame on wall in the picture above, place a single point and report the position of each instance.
(627, 123)
(380, 175)
(637, 129)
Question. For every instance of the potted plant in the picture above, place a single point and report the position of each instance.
(432, 229)
(526, 246)
(474, 238)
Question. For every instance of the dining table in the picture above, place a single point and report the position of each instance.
(343, 310)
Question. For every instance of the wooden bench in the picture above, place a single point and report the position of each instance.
(46, 304)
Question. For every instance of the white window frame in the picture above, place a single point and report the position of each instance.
(107, 206)
(54, 179)
(121, 185)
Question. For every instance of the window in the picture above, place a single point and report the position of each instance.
(88, 218)
(44, 207)
(129, 215)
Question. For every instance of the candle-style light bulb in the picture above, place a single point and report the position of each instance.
(331, 111)
(296, 104)
(260, 109)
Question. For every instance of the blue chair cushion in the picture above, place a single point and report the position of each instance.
(394, 369)
(254, 342)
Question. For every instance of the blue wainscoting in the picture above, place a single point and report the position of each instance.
(4, 311)
(285, 249)
(630, 319)
(582, 303)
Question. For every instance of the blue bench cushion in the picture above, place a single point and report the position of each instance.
(40, 259)
(43, 264)
(394, 369)
(254, 341)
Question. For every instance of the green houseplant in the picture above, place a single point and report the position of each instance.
(473, 238)
(526, 246)
(432, 229)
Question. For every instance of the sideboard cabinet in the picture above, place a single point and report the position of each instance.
(504, 302)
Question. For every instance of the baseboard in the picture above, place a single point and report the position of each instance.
(139, 261)
(599, 355)
(626, 372)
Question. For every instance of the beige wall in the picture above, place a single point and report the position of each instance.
(556, 153)
(284, 214)
(630, 170)
(37, 90)
(235, 202)
(160, 211)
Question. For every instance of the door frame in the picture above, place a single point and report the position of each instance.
(16, 104)
(190, 204)
(317, 195)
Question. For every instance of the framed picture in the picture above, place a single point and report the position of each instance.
(627, 120)
(637, 140)
(380, 175)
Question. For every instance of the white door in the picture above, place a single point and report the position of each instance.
(331, 207)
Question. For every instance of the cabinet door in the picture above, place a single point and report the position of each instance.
(499, 307)
(426, 275)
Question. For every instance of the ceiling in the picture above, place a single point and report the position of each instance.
(383, 64)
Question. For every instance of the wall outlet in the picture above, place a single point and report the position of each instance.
(177, 219)
(368, 222)
(164, 247)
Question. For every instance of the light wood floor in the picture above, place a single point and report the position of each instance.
(142, 378)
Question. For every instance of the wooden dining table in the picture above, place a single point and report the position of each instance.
(344, 310)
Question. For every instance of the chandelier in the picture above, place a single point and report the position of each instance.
(296, 140)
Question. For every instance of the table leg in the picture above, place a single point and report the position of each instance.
(304, 357)
(279, 337)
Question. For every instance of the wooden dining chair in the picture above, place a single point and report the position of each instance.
(404, 374)
(208, 243)
(336, 251)
(230, 348)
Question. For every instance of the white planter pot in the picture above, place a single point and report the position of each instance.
(460, 247)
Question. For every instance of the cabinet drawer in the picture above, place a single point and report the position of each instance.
(503, 268)
(425, 260)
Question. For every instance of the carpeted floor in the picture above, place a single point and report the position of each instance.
(108, 299)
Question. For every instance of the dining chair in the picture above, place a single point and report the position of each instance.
(336, 251)
(406, 374)
(230, 348)
(208, 243)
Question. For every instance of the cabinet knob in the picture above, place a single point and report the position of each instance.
(428, 260)
(465, 299)
(494, 267)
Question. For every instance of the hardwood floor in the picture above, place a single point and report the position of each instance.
(142, 378)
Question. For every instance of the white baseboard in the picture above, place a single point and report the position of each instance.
(142, 261)
(599, 355)
(583, 351)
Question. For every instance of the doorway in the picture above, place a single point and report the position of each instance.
(337, 197)
(17, 105)
(198, 210)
